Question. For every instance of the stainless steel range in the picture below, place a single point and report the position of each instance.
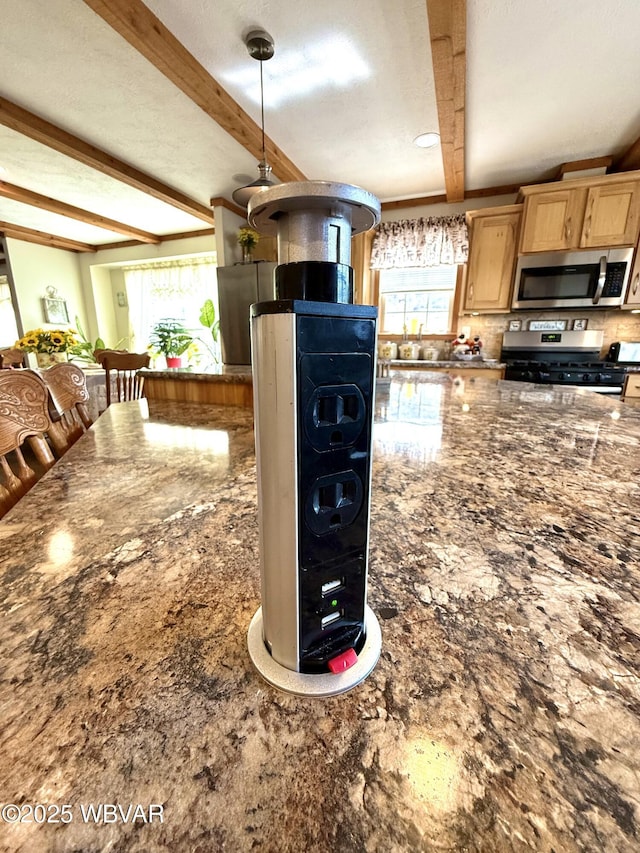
(561, 358)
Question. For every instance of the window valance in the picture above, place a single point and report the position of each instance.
(420, 242)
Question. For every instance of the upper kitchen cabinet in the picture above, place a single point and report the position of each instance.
(632, 300)
(591, 213)
(493, 240)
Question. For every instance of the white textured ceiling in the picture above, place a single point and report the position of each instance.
(547, 83)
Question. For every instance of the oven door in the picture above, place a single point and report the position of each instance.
(572, 280)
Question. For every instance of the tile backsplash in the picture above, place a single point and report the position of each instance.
(617, 326)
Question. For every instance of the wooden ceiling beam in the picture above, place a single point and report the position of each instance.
(147, 34)
(31, 125)
(60, 207)
(448, 36)
(30, 235)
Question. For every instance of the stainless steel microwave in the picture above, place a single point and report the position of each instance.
(585, 279)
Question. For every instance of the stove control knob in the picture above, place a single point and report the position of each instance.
(586, 377)
(560, 375)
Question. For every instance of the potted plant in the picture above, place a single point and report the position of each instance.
(85, 348)
(209, 321)
(49, 345)
(248, 239)
(172, 339)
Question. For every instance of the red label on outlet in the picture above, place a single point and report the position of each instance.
(342, 662)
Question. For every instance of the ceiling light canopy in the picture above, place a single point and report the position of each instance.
(260, 46)
(427, 140)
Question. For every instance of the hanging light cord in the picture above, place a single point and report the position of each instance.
(264, 157)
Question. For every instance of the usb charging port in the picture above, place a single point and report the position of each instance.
(330, 618)
(331, 586)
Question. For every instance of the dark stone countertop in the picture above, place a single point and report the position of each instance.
(503, 715)
(239, 373)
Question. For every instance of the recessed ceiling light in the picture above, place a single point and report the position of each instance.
(427, 140)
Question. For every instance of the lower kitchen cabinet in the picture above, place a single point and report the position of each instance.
(631, 388)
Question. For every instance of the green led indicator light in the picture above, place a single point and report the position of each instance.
(334, 603)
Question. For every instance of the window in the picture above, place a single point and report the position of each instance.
(174, 289)
(417, 296)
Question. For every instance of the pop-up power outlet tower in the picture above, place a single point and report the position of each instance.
(313, 355)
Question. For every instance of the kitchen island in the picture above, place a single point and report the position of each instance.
(503, 715)
(228, 385)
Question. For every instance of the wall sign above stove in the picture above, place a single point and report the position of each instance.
(547, 325)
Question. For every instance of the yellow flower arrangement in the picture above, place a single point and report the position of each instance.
(47, 340)
(248, 238)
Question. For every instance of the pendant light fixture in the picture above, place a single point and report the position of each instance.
(260, 46)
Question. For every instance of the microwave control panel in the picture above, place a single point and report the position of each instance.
(614, 279)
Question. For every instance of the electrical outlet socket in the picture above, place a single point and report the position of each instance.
(333, 501)
(334, 416)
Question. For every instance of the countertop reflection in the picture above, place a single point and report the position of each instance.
(503, 715)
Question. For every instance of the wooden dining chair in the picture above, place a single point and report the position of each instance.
(24, 416)
(123, 380)
(11, 357)
(70, 417)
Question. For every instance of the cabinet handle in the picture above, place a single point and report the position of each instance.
(471, 292)
(567, 228)
(587, 220)
(636, 279)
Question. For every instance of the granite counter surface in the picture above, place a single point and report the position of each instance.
(449, 364)
(239, 373)
(503, 715)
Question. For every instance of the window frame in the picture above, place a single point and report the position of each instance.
(455, 310)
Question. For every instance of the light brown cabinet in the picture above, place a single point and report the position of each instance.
(632, 299)
(493, 239)
(631, 389)
(581, 214)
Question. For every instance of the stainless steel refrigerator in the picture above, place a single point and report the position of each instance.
(239, 286)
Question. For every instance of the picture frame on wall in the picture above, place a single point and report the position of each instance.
(55, 310)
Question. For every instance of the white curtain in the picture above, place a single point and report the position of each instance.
(420, 243)
(169, 289)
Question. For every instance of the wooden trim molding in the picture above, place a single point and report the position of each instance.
(31, 125)
(448, 36)
(54, 206)
(147, 34)
(221, 201)
(582, 165)
(163, 238)
(484, 192)
(630, 159)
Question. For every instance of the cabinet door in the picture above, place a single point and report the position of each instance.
(611, 216)
(491, 263)
(552, 220)
(632, 299)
